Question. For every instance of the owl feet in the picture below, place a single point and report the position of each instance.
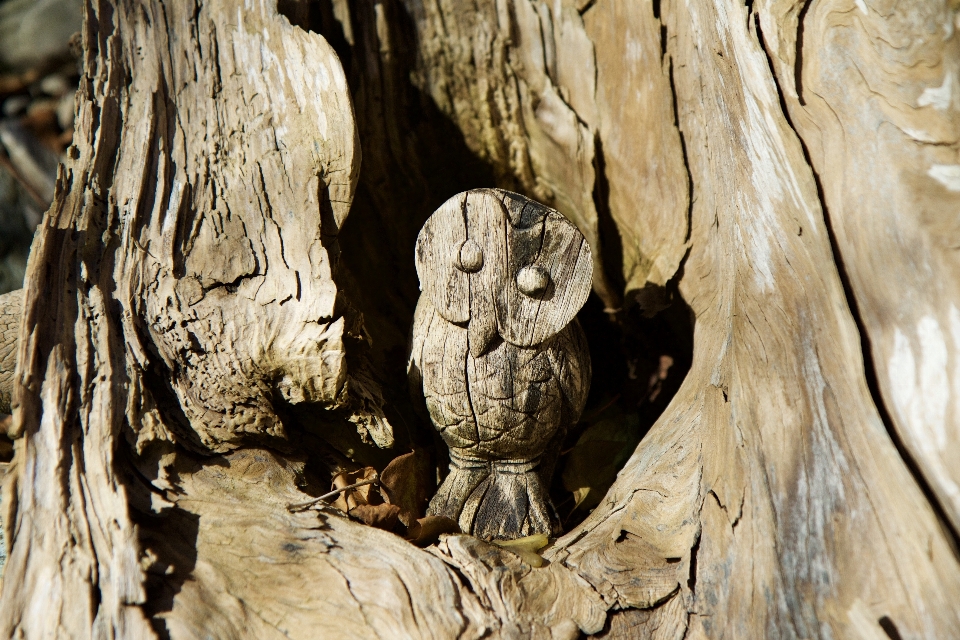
(496, 499)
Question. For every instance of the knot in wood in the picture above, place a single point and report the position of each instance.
(533, 280)
(471, 257)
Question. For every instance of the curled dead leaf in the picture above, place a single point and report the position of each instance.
(425, 531)
(406, 483)
(365, 494)
(381, 516)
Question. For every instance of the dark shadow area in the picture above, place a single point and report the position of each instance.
(173, 538)
(606, 226)
(169, 533)
(414, 159)
(639, 361)
(168, 538)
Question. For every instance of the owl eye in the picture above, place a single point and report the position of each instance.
(533, 280)
(470, 259)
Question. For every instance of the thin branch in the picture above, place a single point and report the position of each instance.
(7, 164)
(303, 506)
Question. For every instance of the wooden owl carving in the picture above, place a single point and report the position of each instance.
(499, 356)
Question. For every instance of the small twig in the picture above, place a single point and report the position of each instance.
(303, 506)
(7, 164)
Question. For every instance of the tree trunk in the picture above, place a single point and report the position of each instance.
(201, 319)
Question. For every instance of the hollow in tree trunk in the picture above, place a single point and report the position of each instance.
(218, 286)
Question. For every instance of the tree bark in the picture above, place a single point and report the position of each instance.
(198, 312)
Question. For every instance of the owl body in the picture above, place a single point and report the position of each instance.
(505, 371)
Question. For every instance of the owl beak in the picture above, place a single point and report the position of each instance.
(482, 328)
(481, 335)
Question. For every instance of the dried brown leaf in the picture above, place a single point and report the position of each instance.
(381, 516)
(406, 482)
(425, 531)
(364, 495)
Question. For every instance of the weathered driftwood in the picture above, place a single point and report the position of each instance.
(182, 288)
(768, 501)
(499, 355)
(891, 198)
(11, 306)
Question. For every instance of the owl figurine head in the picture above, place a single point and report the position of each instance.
(503, 265)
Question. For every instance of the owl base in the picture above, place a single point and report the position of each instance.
(496, 499)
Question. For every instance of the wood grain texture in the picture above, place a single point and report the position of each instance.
(523, 86)
(890, 176)
(647, 185)
(783, 508)
(11, 307)
(181, 288)
(768, 501)
(227, 534)
(503, 389)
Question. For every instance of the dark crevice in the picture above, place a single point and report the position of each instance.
(716, 499)
(586, 7)
(683, 149)
(889, 628)
(686, 626)
(692, 578)
(96, 599)
(798, 57)
(607, 230)
(869, 368)
(736, 521)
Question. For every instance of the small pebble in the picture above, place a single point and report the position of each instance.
(65, 111)
(54, 85)
(15, 105)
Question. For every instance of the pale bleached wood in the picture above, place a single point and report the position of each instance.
(503, 389)
(529, 97)
(890, 178)
(647, 184)
(192, 238)
(777, 491)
